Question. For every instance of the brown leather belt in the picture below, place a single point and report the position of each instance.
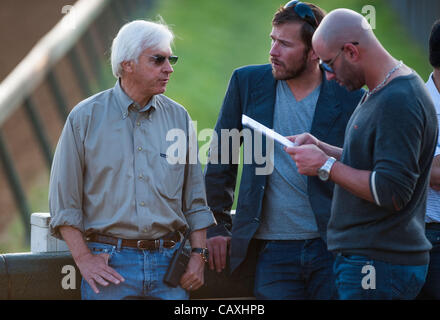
(169, 241)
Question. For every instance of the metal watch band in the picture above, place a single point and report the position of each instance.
(203, 252)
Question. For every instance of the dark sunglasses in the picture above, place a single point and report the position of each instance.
(160, 59)
(328, 66)
(303, 11)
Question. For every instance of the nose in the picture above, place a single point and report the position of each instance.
(168, 68)
(274, 50)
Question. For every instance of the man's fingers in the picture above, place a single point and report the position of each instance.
(217, 258)
(110, 277)
(291, 150)
(223, 256)
(115, 274)
(211, 257)
(92, 284)
(191, 284)
(100, 280)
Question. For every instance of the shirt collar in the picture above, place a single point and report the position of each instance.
(433, 91)
(124, 101)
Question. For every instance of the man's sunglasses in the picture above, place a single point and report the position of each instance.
(160, 59)
(303, 11)
(328, 66)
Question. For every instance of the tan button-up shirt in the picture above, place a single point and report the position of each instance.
(111, 172)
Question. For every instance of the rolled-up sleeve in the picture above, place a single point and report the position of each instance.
(195, 207)
(66, 181)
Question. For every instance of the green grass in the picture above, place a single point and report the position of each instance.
(13, 240)
(212, 39)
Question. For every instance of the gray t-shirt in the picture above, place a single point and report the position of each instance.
(287, 213)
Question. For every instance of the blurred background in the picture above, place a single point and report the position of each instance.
(212, 39)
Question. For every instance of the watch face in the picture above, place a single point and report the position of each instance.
(323, 175)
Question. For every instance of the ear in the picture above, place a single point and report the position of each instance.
(352, 52)
(313, 56)
(127, 66)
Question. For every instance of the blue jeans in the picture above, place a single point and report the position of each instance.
(431, 289)
(294, 270)
(142, 270)
(361, 278)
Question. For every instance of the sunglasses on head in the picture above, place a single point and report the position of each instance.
(328, 66)
(160, 59)
(303, 11)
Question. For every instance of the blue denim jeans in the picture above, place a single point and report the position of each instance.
(294, 270)
(361, 278)
(142, 270)
(431, 289)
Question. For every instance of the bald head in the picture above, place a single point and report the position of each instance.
(341, 26)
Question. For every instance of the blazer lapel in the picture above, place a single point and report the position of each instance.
(327, 110)
(262, 100)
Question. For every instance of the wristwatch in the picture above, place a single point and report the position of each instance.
(324, 171)
(203, 252)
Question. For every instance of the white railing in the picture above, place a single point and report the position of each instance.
(24, 79)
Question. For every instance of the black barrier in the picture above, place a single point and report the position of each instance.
(54, 276)
(42, 276)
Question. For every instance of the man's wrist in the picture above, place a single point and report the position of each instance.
(325, 170)
(202, 252)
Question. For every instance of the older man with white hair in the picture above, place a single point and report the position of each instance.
(381, 174)
(114, 196)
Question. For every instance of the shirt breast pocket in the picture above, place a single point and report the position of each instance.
(170, 177)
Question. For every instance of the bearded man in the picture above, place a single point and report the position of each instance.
(277, 242)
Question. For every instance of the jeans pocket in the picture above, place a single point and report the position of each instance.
(99, 248)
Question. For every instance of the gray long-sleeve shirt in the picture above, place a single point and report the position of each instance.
(393, 134)
(116, 176)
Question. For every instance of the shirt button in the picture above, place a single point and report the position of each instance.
(142, 204)
(141, 176)
(138, 123)
(139, 148)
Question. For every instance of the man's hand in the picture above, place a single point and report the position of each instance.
(193, 278)
(218, 247)
(95, 270)
(434, 181)
(304, 138)
(308, 158)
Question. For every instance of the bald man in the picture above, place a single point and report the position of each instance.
(376, 228)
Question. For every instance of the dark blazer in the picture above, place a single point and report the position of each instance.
(252, 91)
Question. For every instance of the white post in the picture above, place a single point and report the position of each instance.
(41, 240)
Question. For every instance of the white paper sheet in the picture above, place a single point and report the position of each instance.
(251, 123)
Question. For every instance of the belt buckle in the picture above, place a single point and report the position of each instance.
(173, 244)
(141, 244)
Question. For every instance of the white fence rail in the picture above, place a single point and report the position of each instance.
(23, 80)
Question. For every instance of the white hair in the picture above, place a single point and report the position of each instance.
(136, 36)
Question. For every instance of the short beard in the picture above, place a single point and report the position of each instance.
(294, 73)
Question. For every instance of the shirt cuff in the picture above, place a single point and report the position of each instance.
(373, 187)
(200, 218)
(67, 217)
